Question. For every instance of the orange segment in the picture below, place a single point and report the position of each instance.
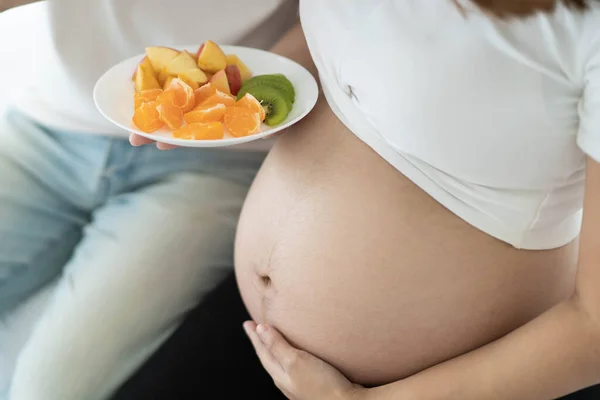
(201, 131)
(171, 115)
(146, 117)
(184, 94)
(204, 92)
(219, 98)
(167, 97)
(145, 96)
(208, 113)
(250, 102)
(242, 121)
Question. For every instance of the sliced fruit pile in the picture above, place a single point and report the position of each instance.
(194, 95)
(201, 114)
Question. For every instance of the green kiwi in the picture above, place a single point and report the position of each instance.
(273, 102)
(276, 81)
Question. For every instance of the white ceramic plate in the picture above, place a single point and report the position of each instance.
(114, 93)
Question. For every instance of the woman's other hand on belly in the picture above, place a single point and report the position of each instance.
(298, 374)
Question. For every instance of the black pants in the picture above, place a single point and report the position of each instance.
(210, 356)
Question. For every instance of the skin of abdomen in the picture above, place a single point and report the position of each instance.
(357, 265)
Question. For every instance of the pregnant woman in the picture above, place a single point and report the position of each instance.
(422, 230)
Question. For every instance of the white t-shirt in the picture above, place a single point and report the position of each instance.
(81, 39)
(491, 118)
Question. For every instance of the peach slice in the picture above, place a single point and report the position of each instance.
(146, 63)
(182, 63)
(197, 55)
(167, 82)
(211, 58)
(190, 82)
(145, 79)
(160, 56)
(232, 59)
(234, 78)
(194, 75)
(163, 75)
(220, 82)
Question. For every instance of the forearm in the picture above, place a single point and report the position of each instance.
(6, 4)
(556, 354)
(293, 45)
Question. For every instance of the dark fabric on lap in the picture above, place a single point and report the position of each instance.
(592, 393)
(210, 354)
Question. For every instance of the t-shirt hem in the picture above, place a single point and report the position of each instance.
(533, 239)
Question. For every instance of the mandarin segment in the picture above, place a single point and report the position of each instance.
(145, 96)
(171, 115)
(209, 113)
(242, 121)
(204, 92)
(219, 98)
(201, 131)
(250, 102)
(184, 94)
(167, 97)
(146, 117)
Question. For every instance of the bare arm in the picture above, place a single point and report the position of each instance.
(555, 354)
(6, 4)
(292, 45)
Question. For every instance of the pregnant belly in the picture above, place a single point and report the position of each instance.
(355, 264)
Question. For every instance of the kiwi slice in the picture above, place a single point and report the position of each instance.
(274, 103)
(275, 81)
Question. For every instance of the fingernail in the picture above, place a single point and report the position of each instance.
(262, 330)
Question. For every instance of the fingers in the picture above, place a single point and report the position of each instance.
(137, 140)
(165, 146)
(281, 350)
(267, 359)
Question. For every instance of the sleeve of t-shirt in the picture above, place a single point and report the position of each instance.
(588, 137)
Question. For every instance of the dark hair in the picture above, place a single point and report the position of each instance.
(523, 8)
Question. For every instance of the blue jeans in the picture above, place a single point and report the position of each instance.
(134, 236)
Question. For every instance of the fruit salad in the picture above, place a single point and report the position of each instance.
(206, 95)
